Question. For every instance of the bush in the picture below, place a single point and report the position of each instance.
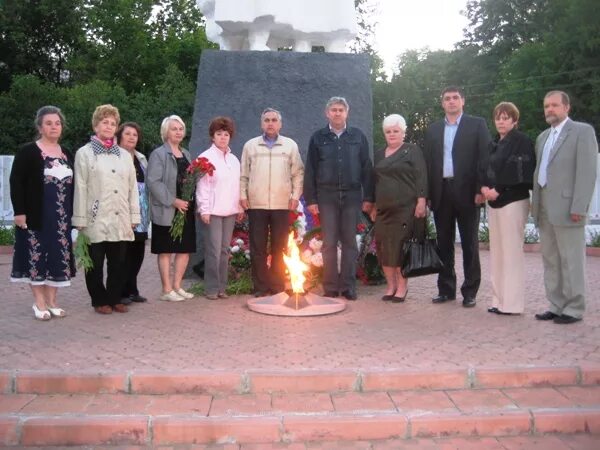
(531, 236)
(484, 232)
(7, 234)
(594, 238)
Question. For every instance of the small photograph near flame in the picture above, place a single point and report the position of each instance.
(295, 266)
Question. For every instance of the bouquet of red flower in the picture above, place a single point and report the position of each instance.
(196, 170)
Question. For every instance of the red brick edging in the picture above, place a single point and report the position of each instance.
(291, 381)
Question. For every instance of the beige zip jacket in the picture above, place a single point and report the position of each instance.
(106, 202)
(271, 177)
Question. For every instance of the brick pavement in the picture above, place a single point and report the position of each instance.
(201, 334)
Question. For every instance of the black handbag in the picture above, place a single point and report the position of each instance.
(420, 254)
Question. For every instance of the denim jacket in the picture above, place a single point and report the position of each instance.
(338, 164)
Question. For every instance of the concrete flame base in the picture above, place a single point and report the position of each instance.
(307, 304)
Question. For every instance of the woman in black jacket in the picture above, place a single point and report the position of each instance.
(41, 190)
(510, 177)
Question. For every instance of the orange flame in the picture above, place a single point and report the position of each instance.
(295, 266)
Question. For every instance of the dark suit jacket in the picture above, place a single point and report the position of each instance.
(27, 183)
(469, 157)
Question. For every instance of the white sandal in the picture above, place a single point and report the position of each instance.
(41, 314)
(184, 294)
(57, 312)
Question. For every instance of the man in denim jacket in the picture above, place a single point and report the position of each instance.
(338, 181)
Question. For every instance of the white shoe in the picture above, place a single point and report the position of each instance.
(41, 314)
(184, 294)
(172, 297)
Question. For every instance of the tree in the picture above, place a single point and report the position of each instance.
(38, 37)
(501, 27)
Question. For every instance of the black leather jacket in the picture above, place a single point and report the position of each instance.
(338, 164)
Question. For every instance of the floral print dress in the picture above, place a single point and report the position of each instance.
(46, 256)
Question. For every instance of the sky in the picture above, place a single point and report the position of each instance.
(414, 24)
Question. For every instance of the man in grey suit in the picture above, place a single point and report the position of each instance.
(563, 185)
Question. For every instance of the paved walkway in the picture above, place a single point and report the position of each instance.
(224, 334)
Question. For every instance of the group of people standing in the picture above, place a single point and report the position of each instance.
(466, 167)
(110, 192)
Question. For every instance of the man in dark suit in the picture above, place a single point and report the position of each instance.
(564, 181)
(456, 150)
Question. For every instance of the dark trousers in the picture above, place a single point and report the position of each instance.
(114, 252)
(265, 223)
(450, 213)
(339, 212)
(134, 257)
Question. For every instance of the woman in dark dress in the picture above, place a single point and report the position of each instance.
(166, 171)
(129, 135)
(510, 177)
(41, 188)
(400, 193)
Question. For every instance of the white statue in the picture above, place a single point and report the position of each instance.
(271, 24)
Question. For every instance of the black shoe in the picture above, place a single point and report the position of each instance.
(564, 319)
(331, 294)
(548, 315)
(495, 310)
(126, 300)
(387, 298)
(469, 302)
(350, 294)
(396, 299)
(442, 298)
(138, 299)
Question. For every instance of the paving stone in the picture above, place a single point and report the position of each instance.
(416, 402)
(199, 335)
(206, 430)
(302, 403)
(581, 395)
(340, 428)
(499, 424)
(258, 404)
(361, 402)
(540, 398)
(13, 403)
(533, 443)
(84, 430)
(480, 400)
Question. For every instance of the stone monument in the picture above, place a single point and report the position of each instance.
(243, 78)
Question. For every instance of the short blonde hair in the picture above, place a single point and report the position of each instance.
(394, 120)
(104, 111)
(164, 127)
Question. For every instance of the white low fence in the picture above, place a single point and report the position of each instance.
(6, 211)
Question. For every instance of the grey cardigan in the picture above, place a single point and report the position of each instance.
(162, 183)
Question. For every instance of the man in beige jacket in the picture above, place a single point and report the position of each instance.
(272, 175)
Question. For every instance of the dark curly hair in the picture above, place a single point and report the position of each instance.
(221, 123)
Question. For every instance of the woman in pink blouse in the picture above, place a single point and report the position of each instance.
(218, 199)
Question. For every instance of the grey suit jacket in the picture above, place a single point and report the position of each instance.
(161, 180)
(571, 174)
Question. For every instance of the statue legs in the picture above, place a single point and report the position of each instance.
(336, 46)
(257, 39)
(302, 45)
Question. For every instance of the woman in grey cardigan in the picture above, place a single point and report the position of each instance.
(166, 170)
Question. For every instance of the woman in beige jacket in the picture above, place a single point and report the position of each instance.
(106, 207)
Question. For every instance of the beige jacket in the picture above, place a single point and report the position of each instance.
(271, 177)
(106, 202)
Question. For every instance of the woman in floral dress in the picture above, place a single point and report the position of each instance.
(41, 187)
